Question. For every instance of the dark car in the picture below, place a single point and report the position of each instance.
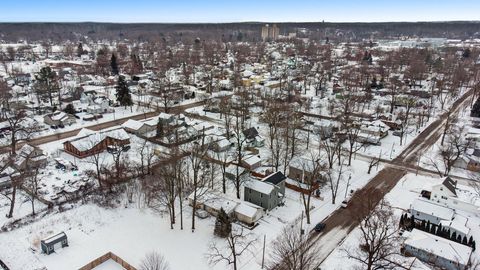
(319, 227)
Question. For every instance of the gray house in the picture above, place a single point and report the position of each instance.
(268, 192)
(54, 242)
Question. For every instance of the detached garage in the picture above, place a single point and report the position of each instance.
(54, 242)
(248, 213)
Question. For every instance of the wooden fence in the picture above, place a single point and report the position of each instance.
(98, 261)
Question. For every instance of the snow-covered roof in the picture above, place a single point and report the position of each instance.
(428, 207)
(458, 224)
(248, 209)
(251, 160)
(260, 186)
(438, 246)
(132, 124)
(87, 142)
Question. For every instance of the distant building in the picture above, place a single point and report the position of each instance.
(270, 32)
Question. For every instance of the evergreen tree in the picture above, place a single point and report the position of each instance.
(476, 109)
(47, 83)
(453, 237)
(427, 227)
(160, 129)
(124, 98)
(114, 64)
(412, 222)
(423, 225)
(80, 51)
(223, 224)
(448, 234)
(69, 109)
(473, 245)
(459, 239)
(470, 241)
(465, 241)
(439, 230)
(402, 221)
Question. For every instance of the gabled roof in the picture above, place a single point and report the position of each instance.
(450, 184)
(275, 178)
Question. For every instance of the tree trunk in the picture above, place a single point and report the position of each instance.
(12, 202)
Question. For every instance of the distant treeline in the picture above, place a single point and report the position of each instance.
(249, 31)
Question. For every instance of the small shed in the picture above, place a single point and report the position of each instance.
(54, 242)
(248, 213)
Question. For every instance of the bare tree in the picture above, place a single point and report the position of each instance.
(97, 159)
(16, 180)
(455, 145)
(292, 250)
(312, 176)
(334, 177)
(20, 124)
(198, 180)
(239, 145)
(379, 240)
(147, 156)
(161, 187)
(236, 244)
(154, 261)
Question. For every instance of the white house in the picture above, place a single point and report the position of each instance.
(441, 252)
(423, 209)
(446, 194)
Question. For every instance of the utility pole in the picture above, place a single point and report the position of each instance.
(263, 251)
(348, 184)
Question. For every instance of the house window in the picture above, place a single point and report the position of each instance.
(261, 195)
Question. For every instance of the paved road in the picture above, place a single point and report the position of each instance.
(96, 127)
(342, 221)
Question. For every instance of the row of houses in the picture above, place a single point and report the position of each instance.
(442, 207)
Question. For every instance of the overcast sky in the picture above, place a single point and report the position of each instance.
(237, 10)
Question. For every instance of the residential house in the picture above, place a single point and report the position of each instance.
(23, 79)
(252, 137)
(59, 118)
(267, 193)
(32, 155)
(251, 162)
(88, 143)
(140, 127)
(441, 252)
(446, 194)
(423, 209)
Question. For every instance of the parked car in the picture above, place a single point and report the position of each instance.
(319, 227)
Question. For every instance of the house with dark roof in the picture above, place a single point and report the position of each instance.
(267, 193)
(252, 137)
(443, 191)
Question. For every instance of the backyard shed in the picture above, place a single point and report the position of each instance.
(54, 242)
